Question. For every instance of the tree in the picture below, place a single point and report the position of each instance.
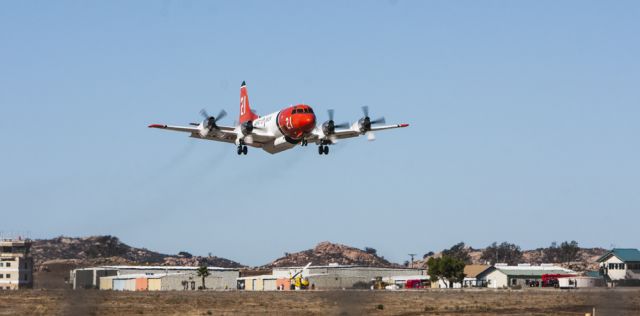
(458, 251)
(370, 250)
(569, 251)
(447, 268)
(406, 263)
(428, 254)
(552, 253)
(504, 252)
(203, 272)
(566, 252)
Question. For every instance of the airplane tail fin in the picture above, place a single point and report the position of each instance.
(245, 109)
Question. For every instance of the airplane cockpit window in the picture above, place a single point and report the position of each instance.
(310, 110)
(299, 111)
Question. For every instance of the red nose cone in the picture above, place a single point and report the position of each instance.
(297, 121)
(308, 123)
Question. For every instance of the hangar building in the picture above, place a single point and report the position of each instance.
(151, 278)
(323, 277)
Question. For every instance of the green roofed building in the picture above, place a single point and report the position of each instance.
(621, 264)
(524, 275)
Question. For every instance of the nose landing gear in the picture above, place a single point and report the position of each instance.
(323, 149)
(242, 149)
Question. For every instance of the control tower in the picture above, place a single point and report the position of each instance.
(16, 264)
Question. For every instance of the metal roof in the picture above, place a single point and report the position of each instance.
(135, 276)
(347, 267)
(527, 270)
(156, 268)
(624, 254)
(534, 272)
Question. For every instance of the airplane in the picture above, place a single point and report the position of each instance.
(279, 131)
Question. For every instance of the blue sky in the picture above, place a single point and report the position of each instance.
(524, 123)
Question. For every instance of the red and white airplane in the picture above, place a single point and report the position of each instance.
(279, 131)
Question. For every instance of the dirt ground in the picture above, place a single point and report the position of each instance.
(425, 302)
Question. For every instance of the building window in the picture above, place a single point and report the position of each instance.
(8, 276)
(26, 277)
(8, 264)
(1, 275)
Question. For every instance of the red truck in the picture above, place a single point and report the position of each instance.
(551, 280)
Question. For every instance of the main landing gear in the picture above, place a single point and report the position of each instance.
(242, 149)
(323, 149)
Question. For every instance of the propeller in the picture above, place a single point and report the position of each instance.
(366, 122)
(211, 121)
(329, 127)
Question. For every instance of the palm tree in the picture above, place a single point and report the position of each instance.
(203, 272)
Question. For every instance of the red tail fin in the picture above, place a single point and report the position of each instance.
(245, 108)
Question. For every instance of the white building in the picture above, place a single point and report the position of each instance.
(170, 277)
(16, 264)
(620, 264)
(502, 275)
(332, 276)
(578, 282)
(471, 272)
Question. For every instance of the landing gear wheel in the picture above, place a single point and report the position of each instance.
(244, 150)
(320, 150)
(239, 150)
(326, 150)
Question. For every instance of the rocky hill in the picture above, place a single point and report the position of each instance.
(325, 253)
(104, 250)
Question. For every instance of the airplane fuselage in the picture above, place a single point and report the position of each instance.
(287, 127)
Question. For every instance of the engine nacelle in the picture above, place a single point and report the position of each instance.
(364, 124)
(328, 127)
(204, 131)
(246, 128)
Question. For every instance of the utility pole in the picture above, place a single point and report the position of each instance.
(411, 255)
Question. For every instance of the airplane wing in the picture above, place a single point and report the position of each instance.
(223, 133)
(348, 133)
(188, 129)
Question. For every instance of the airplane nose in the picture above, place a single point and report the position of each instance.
(309, 123)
